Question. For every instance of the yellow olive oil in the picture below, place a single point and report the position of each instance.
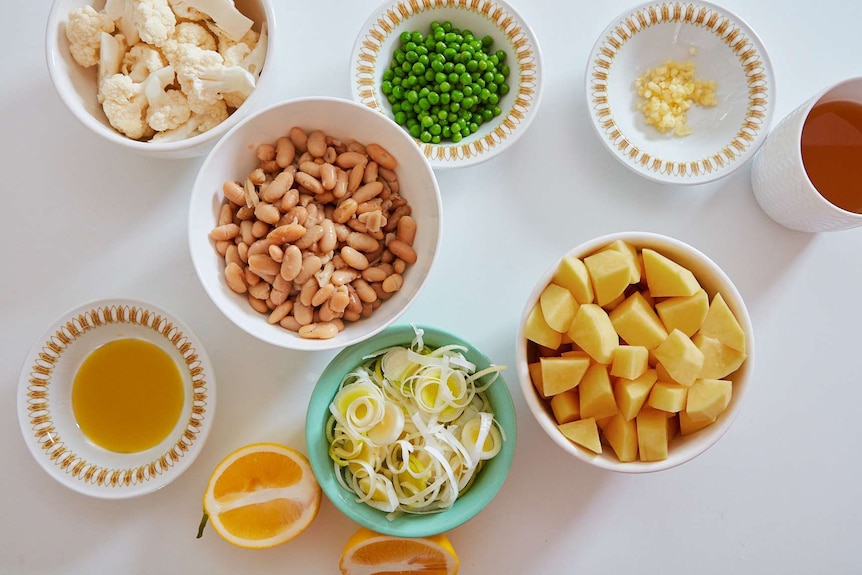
(127, 395)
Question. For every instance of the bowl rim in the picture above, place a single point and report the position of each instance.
(715, 432)
(473, 150)
(57, 458)
(63, 86)
(406, 525)
(761, 99)
(298, 343)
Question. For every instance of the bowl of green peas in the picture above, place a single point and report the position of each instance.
(463, 79)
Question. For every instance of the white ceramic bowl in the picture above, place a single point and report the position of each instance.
(77, 87)
(379, 36)
(713, 280)
(233, 158)
(45, 400)
(723, 48)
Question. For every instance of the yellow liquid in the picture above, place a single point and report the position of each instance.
(127, 395)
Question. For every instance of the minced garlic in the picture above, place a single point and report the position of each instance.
(668, 92)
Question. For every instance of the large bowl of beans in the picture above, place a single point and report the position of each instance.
(314, 223)
(463, 79)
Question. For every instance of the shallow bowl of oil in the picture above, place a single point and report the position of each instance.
(48, 421)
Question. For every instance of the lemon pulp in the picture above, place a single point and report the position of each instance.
(127, 395)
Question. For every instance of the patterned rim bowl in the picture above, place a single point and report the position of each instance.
(45, 400)
(379, 36)
(723, 48)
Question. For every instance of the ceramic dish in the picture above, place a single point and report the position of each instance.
(45, 405)
(681, 448)
(378, 37)
(723, 48)
(234, 158)
(77, 86)
(486, 484)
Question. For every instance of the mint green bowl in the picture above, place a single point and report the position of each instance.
(487, 482)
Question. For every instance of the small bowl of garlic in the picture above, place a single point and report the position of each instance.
(680, 93)
(165, 79)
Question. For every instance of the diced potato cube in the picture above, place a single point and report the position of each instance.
(631, 394)
(707, 398)
(630, 253)
(721, 324)
(603, 422)
(594, 333)
(663, 375)
(636, 322)
(652, 434)
(572, 274)
(537, 330)
(666, 278)
(584, 432)
(687, 425)
(536, 377)
(558, 307)
(672, 426)
(611, 305)
(566, 406)
(680, 357)
(623, 437)
(630, 361)
(560, 374)
(669, 397)
(609, 272)
(596, 394)
(685, 313)
(719, 360)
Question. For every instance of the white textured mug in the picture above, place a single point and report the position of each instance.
(781, 184)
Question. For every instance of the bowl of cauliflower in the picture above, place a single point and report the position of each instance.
(165, 78)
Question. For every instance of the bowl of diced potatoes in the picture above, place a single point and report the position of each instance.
(635, 352)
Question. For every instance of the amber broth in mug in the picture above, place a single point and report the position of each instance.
(127, 395)
(832, 152)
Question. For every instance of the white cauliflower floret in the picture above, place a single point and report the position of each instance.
(223, 12)
(194, 33)
(125, 106)
(186, 12)
(205, 79)
(84, 32)
(225, 42)
(111, 51)
(141, 61)
(249, 52)
(211, 116)
(167, 110)
(154, 20)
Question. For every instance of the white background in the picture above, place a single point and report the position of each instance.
(780, 493)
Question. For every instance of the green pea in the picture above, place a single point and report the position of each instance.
(480, 83)
(435, 139)
(445, 87)
(426, 121)
(464, 79)
(439, 34)
(433, 98)
(386, 87)
(487, 42)
(504, 70)
(447, 132)
(457, 95)
(494, 99)
(437, 65)
(449, 37)
(474, 127)
(387, 75)
(487, 114)
(449, 54)
(455, 127)
(411, 56)
(492, 87)
(452, 117)
(468, 102)
(397, 80)
(418, 68)
(504, 89)
(460, 69)
(424, 104)
(416, 37)
(494, 60)
(404, 37)
(442, 115)
(435, 129)
(497, 111)
(423, 93)
(456, 137)
(406, 66)
(423, 58)
(467, 90)
(454, 106)
(398, 92)
(447, 26)
(401, 118)
(425, 136)
(399, 57)
(439, 77)
(501, 55)
(412, 96)
(483, 65)
(477, 119)
(488, 76)
(415, 130)
(472, 66)
(444, 98)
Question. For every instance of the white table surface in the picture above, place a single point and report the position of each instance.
(778, 494)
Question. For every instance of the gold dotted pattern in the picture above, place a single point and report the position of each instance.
(368, 87)
(730, 34)
(39, 409)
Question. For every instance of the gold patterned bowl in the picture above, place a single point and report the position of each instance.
(379, 36)
(723, 48)
(45, 400)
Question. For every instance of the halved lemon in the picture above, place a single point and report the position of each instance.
(262, 495)
(370, 553)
